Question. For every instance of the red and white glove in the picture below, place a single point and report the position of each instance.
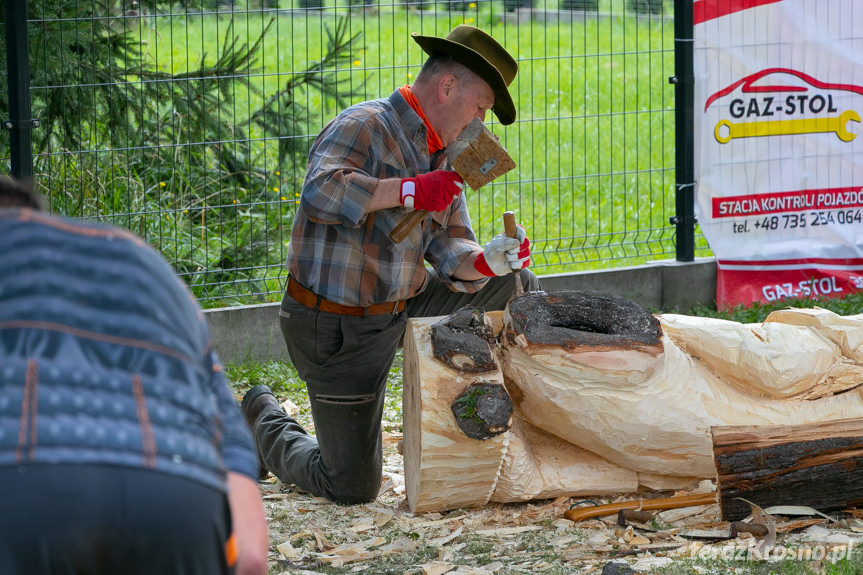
(504, 255)
(433, 191)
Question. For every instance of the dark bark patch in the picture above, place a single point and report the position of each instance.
(570, 319)
(483, 410)
(463, 341)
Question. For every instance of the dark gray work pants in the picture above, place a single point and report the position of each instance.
(345, 362)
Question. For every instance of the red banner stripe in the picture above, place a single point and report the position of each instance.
(704, 10)
(745, 287)
(845, 198)
(792, 262)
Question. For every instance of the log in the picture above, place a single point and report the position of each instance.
(818, 465)
(795, 354)
(583, 393)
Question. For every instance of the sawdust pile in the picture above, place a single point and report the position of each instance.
(312, 535)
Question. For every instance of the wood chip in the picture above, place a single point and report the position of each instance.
(436, 522)
(790, 526)
(278, 496)
(650, 563)
(321, 540)
(290, 408)
(401, 545)
(288, 551)
(439, 541)
(362, 524)
(379, 519)
(504, 531)
(562, 523)
(795, 510)
(689, 515)
(436, 568)
(391, 436)
(489, 569)
(352, 552)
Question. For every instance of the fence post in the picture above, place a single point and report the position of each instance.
(19, 123)
(684, 158)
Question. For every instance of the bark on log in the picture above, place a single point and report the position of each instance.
(463, 341)
(818, 465)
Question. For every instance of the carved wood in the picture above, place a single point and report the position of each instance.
(606, 397)
(444, 467)
(648, 406)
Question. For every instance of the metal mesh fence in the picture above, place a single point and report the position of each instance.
(189, 123)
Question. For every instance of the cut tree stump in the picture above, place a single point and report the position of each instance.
(819, 465)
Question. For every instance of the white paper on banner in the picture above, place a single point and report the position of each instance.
(779, 145)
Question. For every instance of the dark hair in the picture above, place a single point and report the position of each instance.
(18, 194)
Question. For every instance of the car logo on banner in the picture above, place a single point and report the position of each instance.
(783, 102)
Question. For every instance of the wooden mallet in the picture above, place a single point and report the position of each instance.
(478, 158)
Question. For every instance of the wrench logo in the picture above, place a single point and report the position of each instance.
(726, 131)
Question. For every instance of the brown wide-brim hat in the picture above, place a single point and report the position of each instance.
(479, 52)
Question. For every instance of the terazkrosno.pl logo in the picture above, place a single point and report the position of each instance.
(830, 553)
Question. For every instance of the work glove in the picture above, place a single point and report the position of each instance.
(504, 255)
(433, 191)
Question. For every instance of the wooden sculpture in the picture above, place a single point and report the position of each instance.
(606, 397)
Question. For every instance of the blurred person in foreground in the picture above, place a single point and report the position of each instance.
(351, 289)
(122, 449)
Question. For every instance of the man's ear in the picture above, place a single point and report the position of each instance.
(446, 87)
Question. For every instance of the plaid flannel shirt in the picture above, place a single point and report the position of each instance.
(341, 251)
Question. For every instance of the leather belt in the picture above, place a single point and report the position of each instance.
(310, 299)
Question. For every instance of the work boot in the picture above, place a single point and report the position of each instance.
(254, 402)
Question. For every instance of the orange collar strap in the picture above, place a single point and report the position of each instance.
(435, 144)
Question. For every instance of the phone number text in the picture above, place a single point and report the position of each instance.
(801, 220)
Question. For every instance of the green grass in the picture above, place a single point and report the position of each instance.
(851, 304)
(594, 145)
(282, 378)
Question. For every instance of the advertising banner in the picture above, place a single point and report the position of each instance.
(779, 146)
